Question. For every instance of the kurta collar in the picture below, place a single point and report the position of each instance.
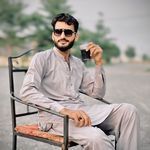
(59, 55)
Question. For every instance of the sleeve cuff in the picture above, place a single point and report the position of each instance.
(57, 107)
(99, 69)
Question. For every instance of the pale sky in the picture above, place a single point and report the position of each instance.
(128, 20)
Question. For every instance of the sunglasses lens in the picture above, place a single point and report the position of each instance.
(67, 32)
(58, 32)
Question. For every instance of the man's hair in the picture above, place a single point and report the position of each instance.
(68, 19)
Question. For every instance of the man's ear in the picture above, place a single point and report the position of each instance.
(77, 37)
(52, 36)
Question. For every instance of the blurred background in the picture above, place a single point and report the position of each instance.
(120, 27)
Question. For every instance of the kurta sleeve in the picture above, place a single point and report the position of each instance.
(94, 84)
(30, 90)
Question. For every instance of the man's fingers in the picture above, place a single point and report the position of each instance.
(76, 119)
(85, 117)
(94, 49)
(81, 122)
(80, 117)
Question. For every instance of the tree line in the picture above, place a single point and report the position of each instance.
(14, 22)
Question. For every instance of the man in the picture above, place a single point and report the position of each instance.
(54, 79)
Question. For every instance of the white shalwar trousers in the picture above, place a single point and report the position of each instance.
(122, 120)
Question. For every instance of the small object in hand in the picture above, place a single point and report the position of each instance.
(85, 54)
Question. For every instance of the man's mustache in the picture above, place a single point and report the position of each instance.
(63, 40)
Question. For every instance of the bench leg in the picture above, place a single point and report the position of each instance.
(64, 148)
(14, 142)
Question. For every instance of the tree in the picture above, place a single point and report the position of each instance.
(11, 16)
(130, 52)
(14, 21)
(43, 22)
(101, 30)
(110, 49)
(53, 7)
(145, 57)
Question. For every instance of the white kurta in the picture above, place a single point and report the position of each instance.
(54, 83)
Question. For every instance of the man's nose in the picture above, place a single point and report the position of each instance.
(62, 35)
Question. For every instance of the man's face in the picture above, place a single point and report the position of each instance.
(63, 36)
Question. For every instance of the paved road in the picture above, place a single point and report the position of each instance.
(125, 83)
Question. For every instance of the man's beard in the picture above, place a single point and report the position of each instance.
(64, 48)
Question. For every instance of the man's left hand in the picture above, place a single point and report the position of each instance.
(95, 52)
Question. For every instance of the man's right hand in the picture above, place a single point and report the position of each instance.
(79, 116)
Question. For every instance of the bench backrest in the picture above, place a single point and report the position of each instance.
(17, 67)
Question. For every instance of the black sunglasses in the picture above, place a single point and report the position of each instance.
(67, 32)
